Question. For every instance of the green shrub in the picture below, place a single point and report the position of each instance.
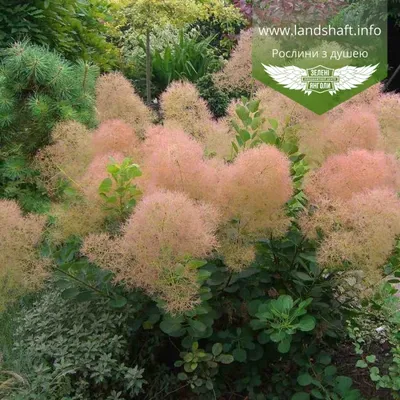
(189, 59)
(74, 28)
(38, 88)
(18, 181)
(217, 100)
(74, 352)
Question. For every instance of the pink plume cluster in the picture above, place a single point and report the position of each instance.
(166, 231)
(21, 268)
(183, 108)
(336, 133)
(387, 109)
(344, 175)
(356, 208)
(255, 188)
(118, 136)
(67, 157)
(175, 161)
(117, 99)
(360, 232)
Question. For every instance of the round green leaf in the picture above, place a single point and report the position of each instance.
(343, 384)
(169, 327)
(118, 302)
(197, 325)
(307, 323)
(301, 396)
(304, 379)
(317, 394)
(361, 364)
(284, 346)
(105, 186)
(239, 355)
(371, 358)
(330, 370)
(225, 359)
(182, 376)
(217, 349)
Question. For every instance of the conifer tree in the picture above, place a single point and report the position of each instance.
(38, 88)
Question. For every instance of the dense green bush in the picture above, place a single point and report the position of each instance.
(74, 352)
(189, 57)
(75, 28)
(19, 181)
(38, 88)
(217, 99)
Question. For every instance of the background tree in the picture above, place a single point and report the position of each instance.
(75, 28)
(149, 15)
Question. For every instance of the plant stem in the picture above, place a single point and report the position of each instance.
(148, 67)
(83, 283)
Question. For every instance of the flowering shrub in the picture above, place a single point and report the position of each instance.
(158, 256)
(242, 257)
(116, 99)
(236, 75)
(21, 269)
(184, 109)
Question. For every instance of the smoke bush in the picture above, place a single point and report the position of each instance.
(286, 111)
(165, 232)
(387, 108)
(360, 232)
(255, 188)
(76, 219)
(21, 268)
(118, 136)
(355, 128)
(174, 161)
(183, 107)
(68, 156)
(116, 99)
(344, 175)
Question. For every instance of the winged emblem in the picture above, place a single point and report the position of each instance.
(320, 79)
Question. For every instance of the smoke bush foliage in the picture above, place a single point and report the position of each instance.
(38, 88)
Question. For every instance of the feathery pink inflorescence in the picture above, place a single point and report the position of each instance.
(360, 232)
(255, 188)
(165, 232)
(118, 136)
(21, 267)
(67, 157)
(183, 108)
(336, 133)
(173, 160)
(344, 175)
(117, 99)
(387, 109)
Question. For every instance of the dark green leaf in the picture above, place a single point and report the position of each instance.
(239, 355)
(304, 379)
